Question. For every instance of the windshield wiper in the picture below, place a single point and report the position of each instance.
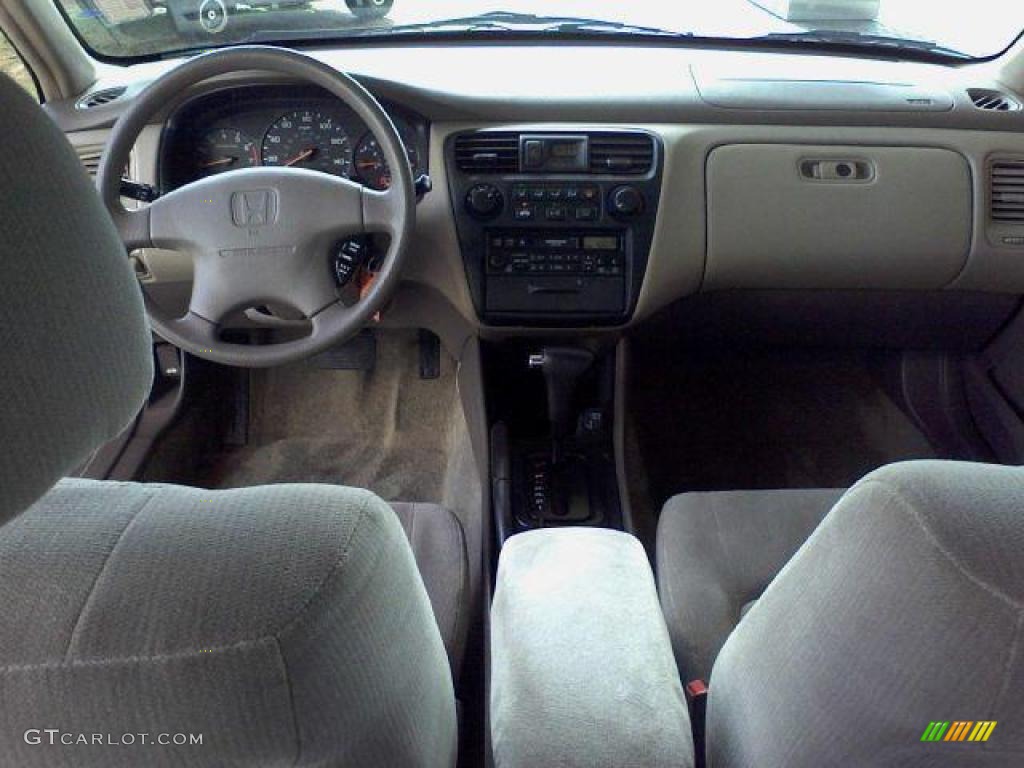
(508, 21)
(824, 37)
(497, 23)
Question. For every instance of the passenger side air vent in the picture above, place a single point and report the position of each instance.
(101, 98)
(1007, 191)
(629, 153)
(487, 152)
(992, 101)
(90, 158)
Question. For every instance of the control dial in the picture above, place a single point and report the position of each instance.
(627, 201)
(484, 201)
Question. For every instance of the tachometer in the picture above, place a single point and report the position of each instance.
(371, 165)
(225, 149)
(307, 138)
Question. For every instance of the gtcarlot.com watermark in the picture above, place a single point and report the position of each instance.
(55, 736)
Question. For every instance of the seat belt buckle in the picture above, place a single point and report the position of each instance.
(697, 699)
(696, 689)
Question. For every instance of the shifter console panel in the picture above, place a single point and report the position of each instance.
(555, 228)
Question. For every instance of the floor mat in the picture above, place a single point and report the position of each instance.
(387, 430)
(763, 420)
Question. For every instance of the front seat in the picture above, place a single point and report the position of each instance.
(277, 626)
(716, 553)
(904, 608)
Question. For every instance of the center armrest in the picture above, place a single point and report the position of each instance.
(582, 671)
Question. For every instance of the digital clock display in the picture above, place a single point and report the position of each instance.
(600, 243)
(565, 149)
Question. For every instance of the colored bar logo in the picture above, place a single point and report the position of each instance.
(959, 730)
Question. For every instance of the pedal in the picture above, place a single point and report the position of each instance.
(357, 354)
(237, 435)
(430, 355)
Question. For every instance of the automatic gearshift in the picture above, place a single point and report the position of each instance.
(562, 368)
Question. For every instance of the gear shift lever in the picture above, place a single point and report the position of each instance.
(562, 368)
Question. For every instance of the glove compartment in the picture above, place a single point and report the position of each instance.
(790, 216)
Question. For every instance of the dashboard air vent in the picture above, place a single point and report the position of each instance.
(1007, 191)
(993, 101)
(487, 152)
(90, 158)
(102, 97)
(621, 153)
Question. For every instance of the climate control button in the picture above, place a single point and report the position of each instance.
(484, 201)
(627, 201)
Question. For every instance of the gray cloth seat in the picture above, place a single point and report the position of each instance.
(283, 625)
(903, 608)
(439, 546)
(716, 553)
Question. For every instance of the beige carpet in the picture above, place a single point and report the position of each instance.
(387, 430)
(763, 420)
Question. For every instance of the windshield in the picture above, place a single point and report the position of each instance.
(139, 28)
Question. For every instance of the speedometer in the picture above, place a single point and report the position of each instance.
(307, 138)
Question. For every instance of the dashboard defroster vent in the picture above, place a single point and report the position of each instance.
(621, 153)
(1007, 191)
(101, 98)
(993, 101)
(487, 152)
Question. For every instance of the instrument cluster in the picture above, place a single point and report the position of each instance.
(279, 126)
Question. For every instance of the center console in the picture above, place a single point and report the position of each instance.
(551, 415)
(555, 228)
(582, 671)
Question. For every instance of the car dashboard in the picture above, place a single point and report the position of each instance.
(752, 177)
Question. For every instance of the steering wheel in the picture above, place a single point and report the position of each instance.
(264, 235)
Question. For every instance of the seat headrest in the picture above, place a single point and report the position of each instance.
(75, 348)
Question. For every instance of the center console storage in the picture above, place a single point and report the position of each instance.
(555, 228)
(582, 671)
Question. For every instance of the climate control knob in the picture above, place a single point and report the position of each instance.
(484, 201)
(627, 201)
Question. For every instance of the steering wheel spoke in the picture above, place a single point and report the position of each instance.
(381, 211)
(234, 279)
(133, 227)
